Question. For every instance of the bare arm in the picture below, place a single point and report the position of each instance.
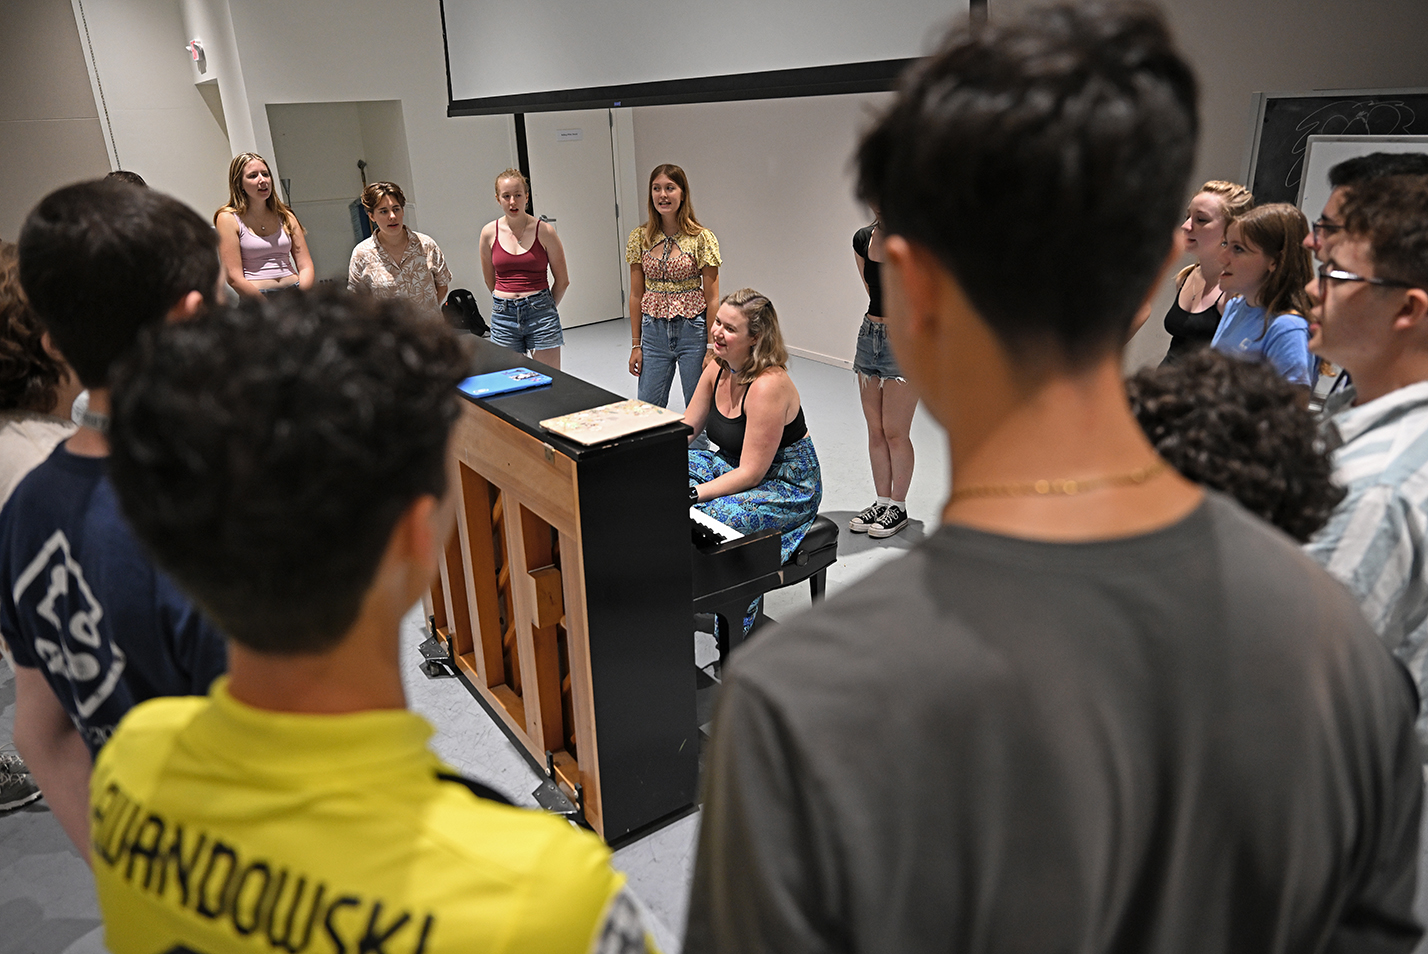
(230, 256)
(637, 294)
(771, 401)
(307, 274)
(697, 411)
(488, 268)
(55, 753)
(555, 251)
(711, 305)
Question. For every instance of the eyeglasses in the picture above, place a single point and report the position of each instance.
(1324, 227)
(1329, 273)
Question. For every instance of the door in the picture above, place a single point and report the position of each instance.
(573, 183)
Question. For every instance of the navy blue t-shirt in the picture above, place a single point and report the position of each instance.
(82, 601)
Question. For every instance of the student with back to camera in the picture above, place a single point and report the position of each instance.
(36, 391)
(94, 626)
(395, 261)
(1092, 663)
(1264, 267)
(888, 402)
(301, 787)
(674, 286)
(1195, 313)
(260, 240)
(514, 260)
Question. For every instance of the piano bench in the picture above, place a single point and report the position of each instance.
(812, 558)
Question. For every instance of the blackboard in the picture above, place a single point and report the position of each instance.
(1285, 121)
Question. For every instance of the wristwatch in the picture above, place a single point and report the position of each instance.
(693, 494)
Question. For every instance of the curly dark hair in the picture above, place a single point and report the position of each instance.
(1079, 113)
(1239, 427)
(100, 260)
(264, 452)
(29, 376)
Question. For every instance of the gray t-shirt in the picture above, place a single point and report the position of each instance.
(1183, 741)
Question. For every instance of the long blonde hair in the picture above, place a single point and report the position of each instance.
(769, 350)
(684, 215)
(238, 199)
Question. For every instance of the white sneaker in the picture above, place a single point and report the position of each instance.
(891, 519)
(862, 521)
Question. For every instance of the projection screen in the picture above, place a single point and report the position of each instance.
(588, 54)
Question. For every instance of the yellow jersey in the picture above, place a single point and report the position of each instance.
(217, 827)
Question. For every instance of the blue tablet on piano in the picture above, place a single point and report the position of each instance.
(503, 382)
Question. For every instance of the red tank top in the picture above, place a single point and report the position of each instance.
(520, 274)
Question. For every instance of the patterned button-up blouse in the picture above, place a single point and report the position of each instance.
(673, 271)
(414, 278)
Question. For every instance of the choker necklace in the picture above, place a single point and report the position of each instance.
(100, 422)
(1065, 487)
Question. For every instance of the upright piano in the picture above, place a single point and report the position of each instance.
(565, 597)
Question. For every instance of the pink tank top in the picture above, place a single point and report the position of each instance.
(265, 256)
(520, 274)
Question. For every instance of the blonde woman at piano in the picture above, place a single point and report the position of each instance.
(765, 474)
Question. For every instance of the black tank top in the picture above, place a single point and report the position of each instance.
(872, 271)
(1189, 331)
(728, 432)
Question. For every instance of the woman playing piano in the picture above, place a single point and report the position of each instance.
(765, 473)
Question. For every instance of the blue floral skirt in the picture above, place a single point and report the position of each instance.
(786, 499)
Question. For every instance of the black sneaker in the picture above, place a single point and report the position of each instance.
(861, 522)
(16, 786)
(891, 519)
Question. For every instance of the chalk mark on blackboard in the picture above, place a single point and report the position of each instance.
(1349, 117)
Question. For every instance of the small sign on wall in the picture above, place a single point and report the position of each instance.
(569, 135)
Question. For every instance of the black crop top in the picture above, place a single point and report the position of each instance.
(872, 271)
(728, 432)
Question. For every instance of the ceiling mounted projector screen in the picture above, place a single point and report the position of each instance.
(587, 54)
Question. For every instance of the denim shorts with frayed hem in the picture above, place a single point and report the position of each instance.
(874, 357)
(526, 324)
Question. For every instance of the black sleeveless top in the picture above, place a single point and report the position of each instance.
(728, 432)
(1189, 331)
(872, 271)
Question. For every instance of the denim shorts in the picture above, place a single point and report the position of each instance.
(874, 356)
(526, 324)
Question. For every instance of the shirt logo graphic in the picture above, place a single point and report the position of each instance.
(76, 652)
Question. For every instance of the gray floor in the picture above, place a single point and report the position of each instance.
(46, 896)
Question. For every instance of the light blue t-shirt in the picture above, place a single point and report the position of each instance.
(1285, 345)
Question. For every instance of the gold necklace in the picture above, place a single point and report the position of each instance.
(1065, 486)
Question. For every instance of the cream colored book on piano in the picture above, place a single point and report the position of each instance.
(609, 421)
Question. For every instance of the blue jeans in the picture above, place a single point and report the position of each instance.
(526, 324)
(664, 344)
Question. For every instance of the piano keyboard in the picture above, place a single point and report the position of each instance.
(708, 532)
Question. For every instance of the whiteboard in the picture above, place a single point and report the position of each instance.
(1325, 152)
(554, 54)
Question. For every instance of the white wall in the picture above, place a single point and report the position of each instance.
(365, 50)
(163, 128)
(317, 145)
(772, 179)
(50, 132)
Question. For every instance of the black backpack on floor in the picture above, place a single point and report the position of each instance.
(461, 310)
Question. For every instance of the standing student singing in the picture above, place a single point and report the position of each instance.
(516, 251)
(260, 242)
(674, 284)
